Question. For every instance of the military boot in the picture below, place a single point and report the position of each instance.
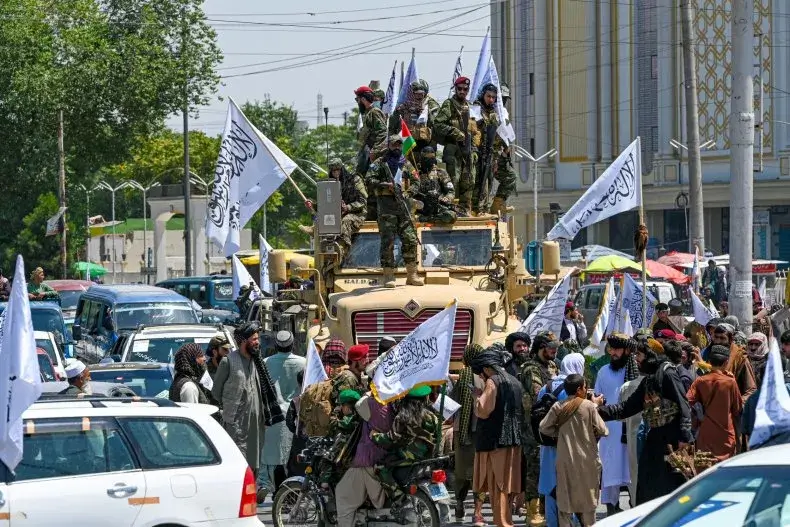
(498, 206)
(389, 277)
(465, 208)
(412, 278)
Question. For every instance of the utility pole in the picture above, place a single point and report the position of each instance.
(326, 134)
(62, 193)
(741, 162)
(696, 207)
(187, 184)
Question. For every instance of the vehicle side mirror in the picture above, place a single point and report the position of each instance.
(76, 332)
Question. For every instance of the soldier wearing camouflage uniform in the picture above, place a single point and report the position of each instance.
(458, 133)
(535, 373)
(394, 213)
(435, 191)
(372, 139)
(418, 112)
(494, 155)
(353, 206)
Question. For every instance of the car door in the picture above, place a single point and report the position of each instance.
(76, 468)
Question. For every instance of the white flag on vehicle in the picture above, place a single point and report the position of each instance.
(20, 376)
(411, 76)
(763, 291)
(549, 313)
(619, 189)
(632, 302)
(483, 61)
(263, 252)
(242, 277)
(314, 371)
(250, 168)
(457, 71)
(421, 358)
(772, 416)
(608, 311)
(388, 104)
(702, 313)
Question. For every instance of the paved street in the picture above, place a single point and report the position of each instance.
(265, 512)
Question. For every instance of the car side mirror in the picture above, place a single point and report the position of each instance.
(76, 332)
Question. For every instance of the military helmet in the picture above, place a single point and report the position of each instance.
(505, 90)
(419, 85)
(335, 163)
(379, 94)
(428, 150)
(396, 138)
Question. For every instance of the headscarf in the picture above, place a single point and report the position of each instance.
(511, 339)
(567, 347)
(188, 370)
(733, 321)
(760, 352)
(488, 358)
(572, 363)
(467, 400)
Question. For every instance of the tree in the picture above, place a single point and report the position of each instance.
(37, 249)
(116, 69)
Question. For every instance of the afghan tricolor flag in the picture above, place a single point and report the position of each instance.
(408, 140)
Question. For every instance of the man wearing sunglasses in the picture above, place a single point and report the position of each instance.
(460, 137)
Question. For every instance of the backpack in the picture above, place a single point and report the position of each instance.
(539, 410)
(315, 409)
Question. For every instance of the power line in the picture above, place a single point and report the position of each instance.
(335, 12)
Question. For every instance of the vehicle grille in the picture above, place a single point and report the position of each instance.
(369, 327)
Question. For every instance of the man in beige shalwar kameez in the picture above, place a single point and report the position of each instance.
(577, 426)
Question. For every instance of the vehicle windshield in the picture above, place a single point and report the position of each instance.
(160, 349)
(470, 248)
(366, 252)
(48, 320)
(146, 383)
(737, 496)
(47, 372)
(129, 316)
(46, 345)
(69, 299)
(223, 291)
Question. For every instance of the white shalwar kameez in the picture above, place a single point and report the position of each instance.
(613, 452)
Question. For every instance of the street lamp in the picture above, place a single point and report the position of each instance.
(206, 186)
(138, 186)
(88, 225)
(534, 169)
(107, 186)
(680, 147)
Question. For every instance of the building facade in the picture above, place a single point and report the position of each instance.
(589, 76)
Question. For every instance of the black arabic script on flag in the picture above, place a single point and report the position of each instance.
(236, 150)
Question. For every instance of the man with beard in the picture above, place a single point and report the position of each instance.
(189, 364)
(218, 348)
(349, 377)
(492, 147)
(536, 372)
(663, 322)
(613, 450)
(662, 401)
(517, 345)
(372, 138)
(353, 205)
(435, 190)
(394, 214)
(459, 135)
(418, 112)
(738, 364)
(247, 394)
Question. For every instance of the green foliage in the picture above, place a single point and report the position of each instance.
(38, 250)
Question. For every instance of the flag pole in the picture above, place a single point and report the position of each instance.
(441, 420)
(644, 253)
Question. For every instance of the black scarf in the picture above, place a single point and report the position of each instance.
(272, 413)
(187, 370)
(395, 162)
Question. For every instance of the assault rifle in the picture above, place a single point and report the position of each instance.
(485, 174)
(466, 167)
(399, 197)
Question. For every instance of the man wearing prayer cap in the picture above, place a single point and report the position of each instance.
(385, 344)
(458, 133)
(78, 376)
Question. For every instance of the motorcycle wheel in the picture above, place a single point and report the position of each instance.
(424, 506)
(286, 497)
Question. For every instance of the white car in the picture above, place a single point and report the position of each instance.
(160, 343)
(752, 489)
(46, 341)
(110, 461)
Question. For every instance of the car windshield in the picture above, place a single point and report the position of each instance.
(456, 248)
(737, 496)
(46, 345)
(161, 349)
(46, 368)
(223, 291)
(69, 299)
(366, 252)
(47, 320)
(129, 316)
(146, 383)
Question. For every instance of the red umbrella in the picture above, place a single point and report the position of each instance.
(674, 258)
(659, 270)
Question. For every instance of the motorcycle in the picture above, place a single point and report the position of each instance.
(301, 501)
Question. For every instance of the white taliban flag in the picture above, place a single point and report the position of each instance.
(314, 371)
(702, 313)
(388, 104)
(483, 61)
(548, 314)
(421, 358)
(772, 416)
(608, 311)
(411, 76)
(263, 252)
(619, 189)
(242, 277)
(763, 291)
(632, 302)
(250, 168)
(20, 377)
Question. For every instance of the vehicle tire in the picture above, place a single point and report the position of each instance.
(424, 506)
(284, 500)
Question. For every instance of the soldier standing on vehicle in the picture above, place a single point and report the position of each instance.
(458, 133)
(394, 212)
(372, 138)
(505, 174)
(418, 112)
(436, 191)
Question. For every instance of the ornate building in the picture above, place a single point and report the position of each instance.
(589, 76)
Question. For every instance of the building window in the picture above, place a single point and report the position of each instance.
(532, 84)
(675, 230)
(654, 67)
(532, 145)
(725, 230)
(654, 138)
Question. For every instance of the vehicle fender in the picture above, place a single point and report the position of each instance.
(297, 480)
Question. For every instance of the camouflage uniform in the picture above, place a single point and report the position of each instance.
(372, 141)
(344, 379)
(449, 128)
(393, 217)
(534, 375)
(419, 117)
(435, 191)
(500, 166)
(355, 198)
